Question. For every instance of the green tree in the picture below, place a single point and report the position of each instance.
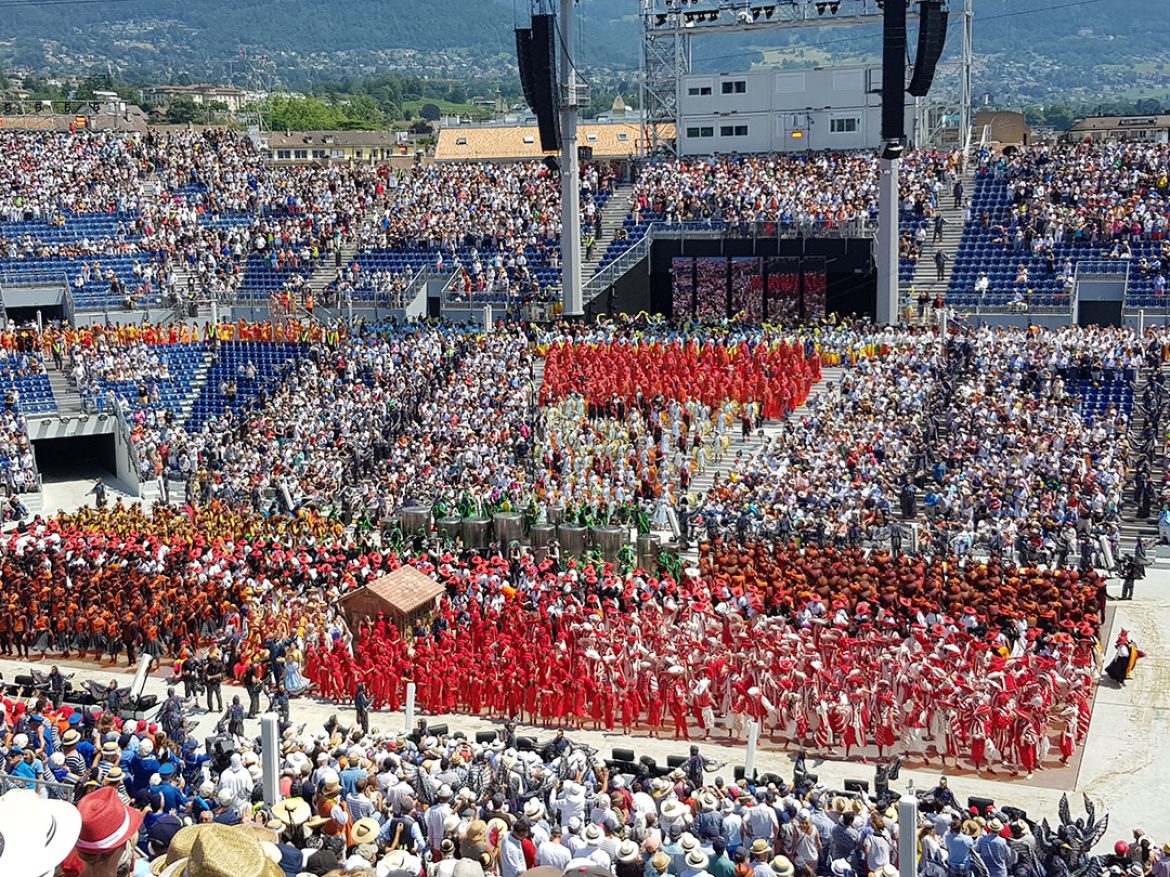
(457, 93)
(430, 112)
(184, 111)
(1059, 116)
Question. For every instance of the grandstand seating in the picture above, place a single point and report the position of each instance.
(33, 392)
(183, 361)
(95, 294)
(262, 278)
(1097, 396)
(269, 357)
(979, 252)
(71, 228)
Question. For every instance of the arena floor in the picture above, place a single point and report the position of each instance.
(1121, 765)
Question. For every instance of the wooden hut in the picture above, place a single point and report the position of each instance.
(403, 596)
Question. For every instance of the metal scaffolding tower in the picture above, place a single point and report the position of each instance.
(669, 28)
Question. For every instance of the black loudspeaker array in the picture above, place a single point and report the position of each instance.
(894, 70)
(524, 62)
(544, 82)
(932, 37)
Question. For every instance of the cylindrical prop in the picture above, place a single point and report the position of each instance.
(416, 518)
(476, 532)
(452, 524)
(572, 539)
(609, 540)
(648, 546)
(509, 527)
(541, 534)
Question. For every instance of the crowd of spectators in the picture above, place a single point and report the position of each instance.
(984, 432)
(128, 798)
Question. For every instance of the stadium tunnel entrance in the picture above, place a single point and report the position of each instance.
(85, 459)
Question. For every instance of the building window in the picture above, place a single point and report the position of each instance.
(300, 153)
(357, 153)
(738, 86)
(592, 138)
(699, 91)
(701, 132)
(318, 153)
(692, 132)
(741, 130)
(460, 141)
(283, 153)
(733, 130)
(623, 137)
(843, 126)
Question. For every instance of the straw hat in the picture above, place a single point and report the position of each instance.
(593, 832)
(293, 811)
(364, 831)
(759, 847)
(627, 851)
(178, 849)
(782, 867)
(221, 851)
(673, 809)
(697, 860)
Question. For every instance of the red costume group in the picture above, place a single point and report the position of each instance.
(825, 653)
(777, 374)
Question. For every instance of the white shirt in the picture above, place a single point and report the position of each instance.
(512, 861)
(556, 855)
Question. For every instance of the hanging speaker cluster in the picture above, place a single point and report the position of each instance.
(536, 54)
(894, 70)
(932, 37)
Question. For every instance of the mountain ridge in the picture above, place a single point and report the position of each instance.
(1076, 51)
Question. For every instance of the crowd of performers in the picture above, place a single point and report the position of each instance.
(850, 648)
(824, 650)
(982, 665)
(777, 376)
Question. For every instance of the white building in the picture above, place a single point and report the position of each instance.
(782, 111)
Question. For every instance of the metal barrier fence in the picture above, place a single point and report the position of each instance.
(46, 789)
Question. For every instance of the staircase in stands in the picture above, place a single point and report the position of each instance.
(925, 277)
(613, 214)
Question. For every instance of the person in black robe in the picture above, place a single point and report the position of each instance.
(1126, 657)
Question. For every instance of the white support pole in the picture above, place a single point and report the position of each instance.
(214, 312)
(270, 757)
(408, 722)
(887, 243)
(908, 836)
(570, 172)
(139, 683)
(749, 761)
(966, 99)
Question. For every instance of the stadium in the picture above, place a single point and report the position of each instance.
(729, 489)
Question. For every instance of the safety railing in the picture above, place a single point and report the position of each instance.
(128, 436)
(45, 788)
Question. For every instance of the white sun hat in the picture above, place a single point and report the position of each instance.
(36, 834)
